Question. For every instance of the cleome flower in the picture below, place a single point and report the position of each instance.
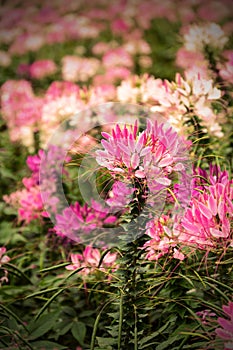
(89, 260)
(163, 240)
(83, 219)
(225, 331)
(3, 260)
(152, 154)
(208, 220)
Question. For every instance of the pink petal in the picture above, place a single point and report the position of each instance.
(204, 210)
(163, 181)
(135, 160)
(140, 174)
(124, 148)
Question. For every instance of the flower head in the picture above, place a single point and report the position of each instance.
(225, 331)
(89, 261)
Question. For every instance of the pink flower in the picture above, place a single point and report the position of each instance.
(117, 57)
(21, 109)
(28, 201)
(205, 315)
(226, 324)
(163, 240)
(152, 154)
(77, 220)
(89, 260)
(42, 68)
(3, 259)
(207, 222)
(120, 195)
(79, 68)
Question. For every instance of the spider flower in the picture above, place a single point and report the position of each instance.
(208, 220)
(163, 240)
(152, 154)
(82, 219)
(225, 331)
(3, 259)
(89, 260)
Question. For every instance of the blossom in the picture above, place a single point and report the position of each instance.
(120, 195)
(5, 59)
(152, 154)
(62, 100)
(192, 59)
(207, 222)
(89, 261)
(3, 259)
(28, 201)
(205, 315)
(117, 57)
(21, 109)
(42, 68)
(225, 331)
(163, 240)
(200, 35)
(79, 69)
(77, 220)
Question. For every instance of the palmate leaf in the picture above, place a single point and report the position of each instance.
(42, 325)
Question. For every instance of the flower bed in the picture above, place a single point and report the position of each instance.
(117, 188)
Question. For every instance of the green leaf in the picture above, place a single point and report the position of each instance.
(78, 331)
(54, 267)
(47, 345)
(42, 325)
(156, 333)
(103, 342)
(166, 343)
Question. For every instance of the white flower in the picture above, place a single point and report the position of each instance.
(198, 36)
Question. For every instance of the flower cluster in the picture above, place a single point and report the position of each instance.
(163, 240)
(207, 222)
(78, 220)
(225, 331)
(28, 201)
(42, 68)
(21, 110)
(207, 34)
(151, 154)
(3, 259)
(177, 101)
(89, 261)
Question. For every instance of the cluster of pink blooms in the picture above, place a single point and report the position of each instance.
(120, 195)
(42, 68)
(152, 154)
(28, 201)
(77, 219)
(21, 109)
(208, 220)
(3, 259)
(81, 69)
(162, 241)
(225, 331)
(89, 261)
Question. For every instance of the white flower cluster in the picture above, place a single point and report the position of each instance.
(198, 36)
